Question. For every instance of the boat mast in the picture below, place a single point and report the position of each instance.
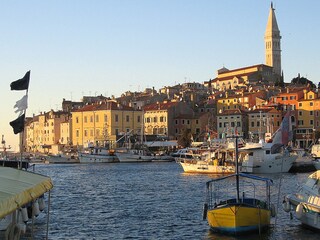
(237, 169)
(237, 164)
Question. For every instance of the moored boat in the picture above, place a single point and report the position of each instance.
(306, 202)
(62, 158)
(135, 155)
(241, 207)
(21, 200)
(97, 155)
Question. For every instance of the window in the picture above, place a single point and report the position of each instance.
(138, 119)
(155, 119)
(252, 124)
(176, 121)
(91, 133)
(311, 103)
(311, 113)
(300, 113)
(77, 120)
(238, 124)
(220, 125)
(106, 118)
(85, 133)
(127, 118)
(311, 122)
(91, 118)
(300, 104)
(258, 124)
(116, 117)
(97, 118)
(197, 121)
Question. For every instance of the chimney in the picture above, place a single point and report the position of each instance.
(305, 94)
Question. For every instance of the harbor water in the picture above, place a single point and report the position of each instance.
(145, 201)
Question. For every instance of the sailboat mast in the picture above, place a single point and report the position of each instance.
(237, 169)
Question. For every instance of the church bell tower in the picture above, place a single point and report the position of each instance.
(272, 43)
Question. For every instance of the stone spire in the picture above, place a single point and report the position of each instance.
(272, 43)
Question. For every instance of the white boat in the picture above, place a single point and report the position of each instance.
(62, 158)
(269, 157)
(209, 161)
(135, 155)
(97, 155)
(19, 190)
(260, 159)
(306, 202)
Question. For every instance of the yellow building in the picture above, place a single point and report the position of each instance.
(231, 79)
(243, 100)
(43, 131)
(307, 119)
(103, 123)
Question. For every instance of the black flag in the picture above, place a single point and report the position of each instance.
(21, 84)
(18, 124)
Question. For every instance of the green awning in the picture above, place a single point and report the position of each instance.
(18, 187)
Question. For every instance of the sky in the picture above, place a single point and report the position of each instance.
(92, 47)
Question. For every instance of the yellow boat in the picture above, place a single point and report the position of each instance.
(238, 203)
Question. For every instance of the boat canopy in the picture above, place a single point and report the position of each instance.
(19, 187)
(267, 180)
(161, 144)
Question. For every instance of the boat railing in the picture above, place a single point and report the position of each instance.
(251, 193)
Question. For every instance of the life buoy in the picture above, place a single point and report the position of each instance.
(299, 211)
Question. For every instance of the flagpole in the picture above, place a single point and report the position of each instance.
(18, 124)
(22, 133)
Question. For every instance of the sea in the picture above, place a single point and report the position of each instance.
(145, 201)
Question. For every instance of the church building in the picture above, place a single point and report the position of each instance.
(267, 73)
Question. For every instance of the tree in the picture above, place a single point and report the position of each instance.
(185, 139)
(302, 81)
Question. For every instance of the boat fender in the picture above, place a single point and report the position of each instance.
(273, 210)
(42, 204)
(205, 211)
(286, 206)
(299, 211)
(24, 214)
(35, 208)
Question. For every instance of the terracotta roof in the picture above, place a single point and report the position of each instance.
(231, 112)
(159, 106)
(103, 106)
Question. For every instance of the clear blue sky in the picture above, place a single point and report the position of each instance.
(76, 47)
